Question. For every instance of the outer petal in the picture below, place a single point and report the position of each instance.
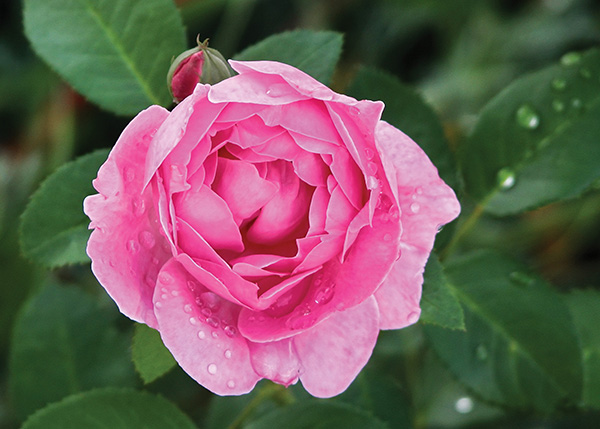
(333, 352)
(426, 203)
(126, 247)
(206, 345)
(276, 361)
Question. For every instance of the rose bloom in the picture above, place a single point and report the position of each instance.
(267, 227)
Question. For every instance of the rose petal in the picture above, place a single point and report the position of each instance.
(255, 88)
(244, 191)
(340, 212)
(426, 203)
(125, 246)
(276, 361)
(208, 348)
(333, 352)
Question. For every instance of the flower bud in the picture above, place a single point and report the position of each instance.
(197, 65)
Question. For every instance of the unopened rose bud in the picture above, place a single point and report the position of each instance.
(197, 65)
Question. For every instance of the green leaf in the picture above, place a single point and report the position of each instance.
(150, 356)
(54, 229)
(313, 52)
(585, 305)
(116, 53)
(537, 141)
(63, 343)
(439, 306)
(520, 347)
(110, 409)
(406, 110)
(317, 415)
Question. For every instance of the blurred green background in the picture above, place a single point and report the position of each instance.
(456, 53)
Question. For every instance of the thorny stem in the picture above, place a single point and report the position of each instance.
(273, 391)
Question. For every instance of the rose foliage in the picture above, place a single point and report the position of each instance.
(267, 227)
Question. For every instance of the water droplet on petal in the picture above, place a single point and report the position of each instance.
(231, 384)
(175, 292)
(147, 239)
(211, 300)
(387, 237)
(278, 90)
(371, 168)
(158, 304)
(138, 206)
(570, 59)
(324, 294)
(215, 334)
(187, 308)
(201, 335)
(212, 368)
(413, 317)
(301, 318)
(193, 320)
(527, 117)
(372, 182)
(354, 111)
(164, 296)
(192, 286)
(558, 84)
(133, 246)
(227, 354)
(212, 321)
(415, 207)
(558, 106)
(506, 178)
(464, 405)
(394, 213)
(369, 153)
(229, 330)
(165, 278)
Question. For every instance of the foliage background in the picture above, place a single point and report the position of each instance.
(457, 54)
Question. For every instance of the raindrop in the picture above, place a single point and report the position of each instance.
(464, 405)
(165, 278)
(394, 213)
(372, 182)
(576, 103)
(354, 111)
(227, 354)
(506, 178)
(175, 292)
(369, 153)
(558, 106)
(527, 117)
(201, 335)
(215, 334)
(300, 319)
(585, 73)
(520, 278)
(481, 352)
(413, 317)
(212, 322)
(158, 304)
(231, 384)
(192, 286)
(558, 84)
(147, 239)
(277, 90)
(164, 296)
(193, 320)
(211, 300)
(187, 308)
(570, 59)
(212, 368)
(387, 237)
(415, 207)
(230, 331)
(325, 294)
(138, 206)
(133, 247)
(372, 168)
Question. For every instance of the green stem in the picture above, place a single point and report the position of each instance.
(465, 227)
(273, 391)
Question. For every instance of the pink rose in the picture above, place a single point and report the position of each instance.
(268, 228)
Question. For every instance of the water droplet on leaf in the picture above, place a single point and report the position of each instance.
(521, 279)
(570, 59)
(506, 178)
(464, 405)
(558, 106)
(481, 352)
(527, 117)
(559, 84)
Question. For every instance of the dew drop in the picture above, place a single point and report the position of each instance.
(394, 213)
(415, 207)
(413, 317)
(521, 279)
(138, 206)
(570, 59)
(585, 73)
(212, 322)
(165, 278)
(201, 335)
(369, 153)
(277, 90)
(506, 178)
(354, 111)
(300, 319)
(231, 384)
(192, 286)
(387, 237)
(324, 294)
(212, 368)
(215, 334)
(133, 247)
(558, 106)
(164, 296)
(372, 182)
(527, 117)
(227, 354)
(372, 168)
(576, 103)
(158, 304)
(481, 352)
(193, 321)
(147, 239)
(464, 405)
(230, 331)
(175, 292)
(558, 84)
(187, 308)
